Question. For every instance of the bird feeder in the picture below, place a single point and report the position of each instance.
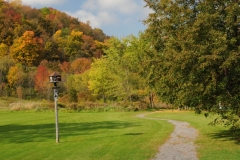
(55, 77)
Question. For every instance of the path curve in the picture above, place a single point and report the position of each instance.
(180, 145)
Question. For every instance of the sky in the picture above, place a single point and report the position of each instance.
(118, 18)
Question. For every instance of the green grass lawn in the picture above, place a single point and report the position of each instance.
(105, 136)
(214, 143)
(109, 135)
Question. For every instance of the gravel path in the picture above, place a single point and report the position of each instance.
(180, 146)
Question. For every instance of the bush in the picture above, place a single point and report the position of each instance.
(132, 106)
(61, 105)
(73, 95)
(72, 106)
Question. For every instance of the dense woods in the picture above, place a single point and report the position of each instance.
(189, 56)
(36, 42)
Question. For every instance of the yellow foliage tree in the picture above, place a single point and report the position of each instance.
(27, 49)
(16, 75)
(3, 50)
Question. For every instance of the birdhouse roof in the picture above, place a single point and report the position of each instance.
(54, 74)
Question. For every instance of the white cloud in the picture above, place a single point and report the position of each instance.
(43, 2)
(122, 6)
(97, 20)
(105, 12)
(145, 11)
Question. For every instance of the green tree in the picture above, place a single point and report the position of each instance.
(126, 56)
(5, 65)
(69, 43)
(117, 75)
(99, 79)
(140, 60)
(80, 84)
(73, 95)
(73, 45)
(197, 50)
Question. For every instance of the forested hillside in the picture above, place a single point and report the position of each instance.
(36, 42)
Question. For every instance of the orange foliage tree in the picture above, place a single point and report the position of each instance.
(81, 65)
(65, 67)
(41, 81)
(87, 46)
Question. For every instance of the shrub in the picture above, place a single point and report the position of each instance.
(72, 106)
(61, 105)
(73, 95)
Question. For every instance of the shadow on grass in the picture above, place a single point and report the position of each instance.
(133, 134)
(227, 135)
(16, 133)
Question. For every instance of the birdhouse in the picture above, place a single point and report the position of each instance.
(55, 77)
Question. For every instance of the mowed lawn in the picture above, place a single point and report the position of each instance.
(106, 136)
(83, 136)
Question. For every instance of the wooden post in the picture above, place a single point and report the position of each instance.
(56, 111)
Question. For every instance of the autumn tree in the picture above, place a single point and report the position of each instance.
(98, 48)
(65, 67)
(52, 66)
(27, 49)
(69, 43)
(16, 78)
(53, 51)
(7, 24)
(87, 46)
(99, 35)
(5, 65)
(16, 75)
(3, 50)
(80, 65)
(42, 85)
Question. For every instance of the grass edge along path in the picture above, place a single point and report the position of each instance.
(85, 136)
(213, 142)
